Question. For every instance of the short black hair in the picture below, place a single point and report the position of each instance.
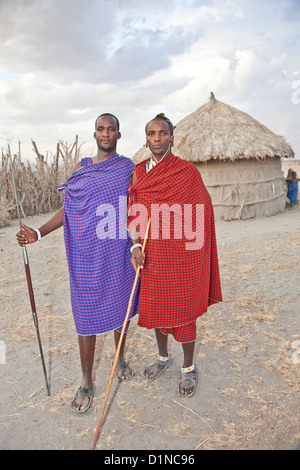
(111, 115)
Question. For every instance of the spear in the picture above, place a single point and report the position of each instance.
(28, 277)
(96, 435)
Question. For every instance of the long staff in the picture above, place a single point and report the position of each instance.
(120, 342)
(28, 277)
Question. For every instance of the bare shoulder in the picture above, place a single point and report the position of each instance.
(133, 179)
(76, 167)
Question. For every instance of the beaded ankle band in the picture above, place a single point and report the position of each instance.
(163, 359)
(185, 370)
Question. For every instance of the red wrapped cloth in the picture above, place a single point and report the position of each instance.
(180, 278)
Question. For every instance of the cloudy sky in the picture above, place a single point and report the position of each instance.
(64, 62)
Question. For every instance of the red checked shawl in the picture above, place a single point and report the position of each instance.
(177, 285)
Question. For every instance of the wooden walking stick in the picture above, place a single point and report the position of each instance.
(28, 277)
(120, 343)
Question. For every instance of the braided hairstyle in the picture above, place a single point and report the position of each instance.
(164, 118)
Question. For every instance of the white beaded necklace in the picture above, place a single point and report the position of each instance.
(152, 162)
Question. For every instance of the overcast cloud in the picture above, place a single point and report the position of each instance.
(64, 62)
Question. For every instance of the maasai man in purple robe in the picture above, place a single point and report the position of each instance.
(98, 250)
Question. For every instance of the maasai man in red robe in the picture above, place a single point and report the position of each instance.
(180, 275)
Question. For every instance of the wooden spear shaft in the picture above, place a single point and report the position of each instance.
(96, 436)
(28, 277)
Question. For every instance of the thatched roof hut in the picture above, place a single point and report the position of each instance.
(239, 160)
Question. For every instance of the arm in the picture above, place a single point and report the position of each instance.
(137, 258)
(29, 235)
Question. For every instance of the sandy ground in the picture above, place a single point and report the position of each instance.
(247, 351)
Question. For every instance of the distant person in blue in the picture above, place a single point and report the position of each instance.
(101, 275)
(293, 188)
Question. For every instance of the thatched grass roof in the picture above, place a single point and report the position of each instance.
(217, 131)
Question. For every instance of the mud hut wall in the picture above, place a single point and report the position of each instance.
(242, 189)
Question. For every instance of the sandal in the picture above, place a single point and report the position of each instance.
(123, 365)
(88, 393)
(162, 364)
(188, 374)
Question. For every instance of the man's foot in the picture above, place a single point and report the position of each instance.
(155, 370)
(188, 382)
(123, 371)
(83, 399)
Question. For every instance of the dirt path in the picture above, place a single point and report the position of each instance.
(247, 352)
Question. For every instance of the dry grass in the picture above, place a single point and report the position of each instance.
(217, 131)
(37, 182)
